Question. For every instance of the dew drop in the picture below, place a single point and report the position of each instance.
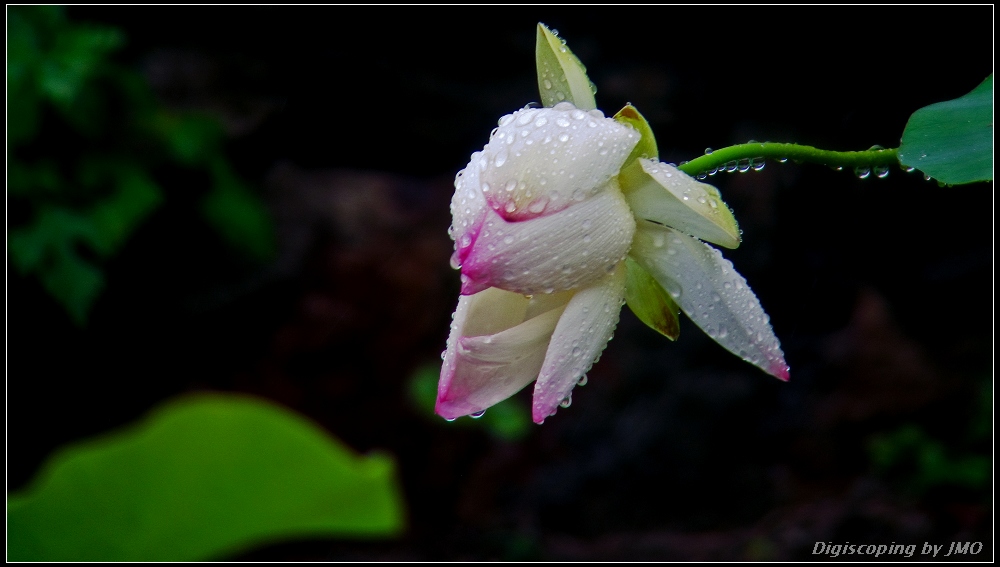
(582, 381)
(743, 165)
(708, 151)
(510, 207)
(449, 419)
(757, 163)
(862, 171)
(478, 414)
(566, 401)
(881, 171)
(547, 84)
(508, 239)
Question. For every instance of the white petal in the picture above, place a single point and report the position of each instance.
(542, 160)
(467, 208)
(711, 293)
(583, 331)
(557, 252)
(482, 370)
(662, 193)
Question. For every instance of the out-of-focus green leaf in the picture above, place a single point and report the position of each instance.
(202, 477)
(925, 461)
(952, 141)
(238, 215)
(192, 139)
(650, 302)
(561, 76)
(116, 218)
(509, 420)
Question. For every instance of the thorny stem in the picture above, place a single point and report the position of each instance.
(745, 153)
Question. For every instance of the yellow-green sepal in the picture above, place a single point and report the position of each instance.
(561, 76)
(646, 148)
(650, 302)
(661, 193)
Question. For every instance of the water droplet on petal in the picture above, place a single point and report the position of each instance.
(478, 414)
(566, 402)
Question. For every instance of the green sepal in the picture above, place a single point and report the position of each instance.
(952, 141)
(561, 76)
(646, 148)
(650, 302)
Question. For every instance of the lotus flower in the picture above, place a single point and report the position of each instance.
(564, 216)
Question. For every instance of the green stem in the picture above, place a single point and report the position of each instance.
(747, 155)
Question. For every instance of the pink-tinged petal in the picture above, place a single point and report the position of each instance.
(711, 292)
(468, 208)
(557, 252)
(583, 331)
(664, 194)
(542, 160)
(482, 370)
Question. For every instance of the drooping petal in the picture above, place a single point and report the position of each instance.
(662, 193)
(583, 331)
(711, 293)
(542, 160)
(467, 209)
(555, 252)
(481, 370)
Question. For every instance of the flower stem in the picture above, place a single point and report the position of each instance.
(743, 156)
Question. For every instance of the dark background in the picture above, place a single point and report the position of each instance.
(351, 123)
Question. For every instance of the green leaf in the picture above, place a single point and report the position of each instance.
(202, 477)
(48, 247)
(646, 148)
(953, 141)
(116, 218)
(650, 302)
(238, 215)
(561, 76)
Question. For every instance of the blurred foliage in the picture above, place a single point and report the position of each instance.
(952, 141)
(922, 462)
(84, 138)
(509, 420)
(202, 477)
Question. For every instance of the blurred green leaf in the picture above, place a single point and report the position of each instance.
(561, 76)
(116, 218)
(925, 461)
(952, 141)
(509, 420)
(192, 139)
(238, 215)
(200, 478)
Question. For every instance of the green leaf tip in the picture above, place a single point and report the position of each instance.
(561, 76)
(952, 141)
